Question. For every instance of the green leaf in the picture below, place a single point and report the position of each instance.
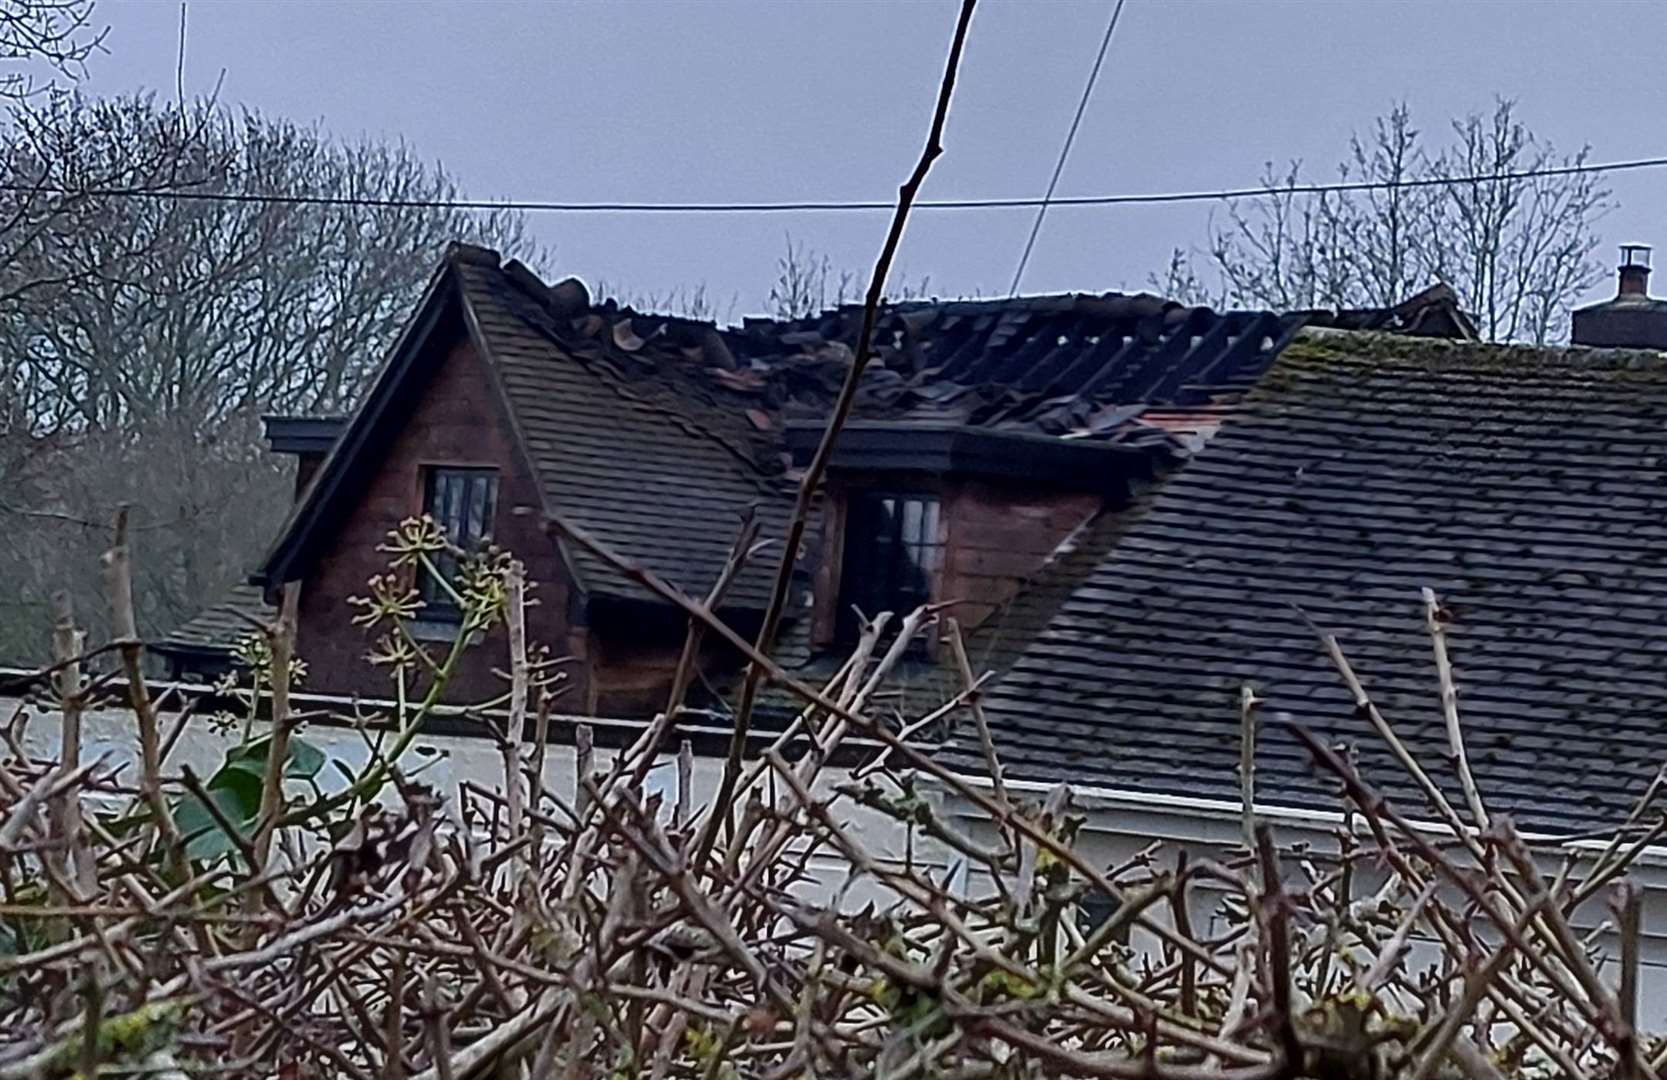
(235, 790)
(204, 838)
(305, 759)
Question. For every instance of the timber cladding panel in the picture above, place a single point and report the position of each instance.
(456, 420)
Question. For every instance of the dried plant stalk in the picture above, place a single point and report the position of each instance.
(388, 944)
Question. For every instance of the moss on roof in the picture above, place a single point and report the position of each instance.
(1528, 487)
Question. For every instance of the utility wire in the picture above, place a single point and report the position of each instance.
(820, 206)
(1065, 150)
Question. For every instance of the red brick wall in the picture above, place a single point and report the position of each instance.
(998, 537)
(458, 421)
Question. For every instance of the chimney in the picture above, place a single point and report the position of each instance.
(1630, 321)
(1635, 270)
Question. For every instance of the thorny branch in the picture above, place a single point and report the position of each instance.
(833, 911)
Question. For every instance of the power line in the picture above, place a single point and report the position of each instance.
(821, 206)
(1065, 150)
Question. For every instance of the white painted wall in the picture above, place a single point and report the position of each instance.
(446, 761)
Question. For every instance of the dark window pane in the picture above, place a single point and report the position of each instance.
(462, 502)
(1095, 908)
(892, 554)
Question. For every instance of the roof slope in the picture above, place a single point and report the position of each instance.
(216, 629)
(1065, 364)
(1527, 487)
(623, 456)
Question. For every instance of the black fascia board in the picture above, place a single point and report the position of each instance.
(302, 434)
(944, 450)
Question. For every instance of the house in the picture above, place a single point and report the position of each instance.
(986, 434)
(1329, 475)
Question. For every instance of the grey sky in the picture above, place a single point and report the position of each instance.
(738, 100)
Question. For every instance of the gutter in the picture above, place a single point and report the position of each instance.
(1185, 818)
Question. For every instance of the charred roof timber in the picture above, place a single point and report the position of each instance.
(1632, 320)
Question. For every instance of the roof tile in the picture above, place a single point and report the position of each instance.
(1528, 487)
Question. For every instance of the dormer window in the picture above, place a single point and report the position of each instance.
(462, 502)
(893, 551)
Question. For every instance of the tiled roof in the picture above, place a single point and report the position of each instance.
(218, 628)
(655, 432)
(660, 480)
(1053, 364)
(617, 444)
(1527, 487)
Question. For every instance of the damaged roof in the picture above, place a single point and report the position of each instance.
(1106, 367)
(656, 433)
(1527, 487)
(660, 480)
(618, 450)
(1077, 365)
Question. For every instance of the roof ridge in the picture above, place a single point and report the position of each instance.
(1369, 347)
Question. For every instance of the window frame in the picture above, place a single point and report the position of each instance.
(438, 607)
(860, 542)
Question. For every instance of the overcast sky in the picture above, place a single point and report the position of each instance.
(717, 101)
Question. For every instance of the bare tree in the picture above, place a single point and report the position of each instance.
(1516, 247)
(1518, 250)
(44, 43)
(684, 301)
(807, 284)
(144, 336)
(1180, 281)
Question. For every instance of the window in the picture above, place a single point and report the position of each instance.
(462, 502)
(892, 552)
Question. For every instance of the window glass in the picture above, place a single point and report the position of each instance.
(462, 502)
(892, 556)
